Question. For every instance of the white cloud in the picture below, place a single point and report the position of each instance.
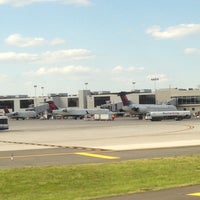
(120, 69)
(12, 56)
(19, 3)
(56, 41)
(174, 32)
(71, 69)
(192, 51)
(77, 2)
(47, 57)
(20, 41)
(63, 55)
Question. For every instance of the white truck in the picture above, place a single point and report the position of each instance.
(160, 115)
(104, 117)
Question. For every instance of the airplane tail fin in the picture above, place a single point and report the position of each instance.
(52, 105)
(124, 98)
(6, 110)
(172, 102)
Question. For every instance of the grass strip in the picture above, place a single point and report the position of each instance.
(98, 180)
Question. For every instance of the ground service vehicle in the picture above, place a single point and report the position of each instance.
(4, 123)
(104, 117)
(160, 115)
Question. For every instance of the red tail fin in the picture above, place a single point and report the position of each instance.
(124, 99)
(6, 109)
(52, 105)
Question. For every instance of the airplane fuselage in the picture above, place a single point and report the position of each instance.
(22, 114)
(142, 109)
(78, 112)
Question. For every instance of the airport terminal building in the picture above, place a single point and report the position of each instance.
(184, 99)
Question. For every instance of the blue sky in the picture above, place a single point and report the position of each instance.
(62, 44)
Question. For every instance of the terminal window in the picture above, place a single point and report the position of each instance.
(73, 102)
(26, 103)
(9, 104)
(188, 100)
(147, 99)
(98, 101)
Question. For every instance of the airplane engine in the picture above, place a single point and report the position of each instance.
(136, 109)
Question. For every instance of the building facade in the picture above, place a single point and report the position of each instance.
(184, 99)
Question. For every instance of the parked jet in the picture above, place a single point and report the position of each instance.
(75, 112)
(29, 113)
(20, 114)
(141, 110)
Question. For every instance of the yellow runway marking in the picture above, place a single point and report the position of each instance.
(197, 194)
(59, 154)
(97, 155)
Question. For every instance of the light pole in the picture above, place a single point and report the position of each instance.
(42, 88)
(35, 86)
(86, 85)
(133, 85)
(154, 80)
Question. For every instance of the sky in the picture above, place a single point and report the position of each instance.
(63, 46)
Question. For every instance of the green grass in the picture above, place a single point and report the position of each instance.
(98, 180)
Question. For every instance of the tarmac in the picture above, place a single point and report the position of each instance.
(121, 139)
(120, 134)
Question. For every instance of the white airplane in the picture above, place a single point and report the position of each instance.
(141, 110)
(27, 114)
(75, 112)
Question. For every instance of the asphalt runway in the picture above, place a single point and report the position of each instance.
(63, 142)
(120, 134)
(182, 193)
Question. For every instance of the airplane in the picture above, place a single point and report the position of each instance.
(26, 114)
(141, 110)
(75, 112)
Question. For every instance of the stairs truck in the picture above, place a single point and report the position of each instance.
(161, 115)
